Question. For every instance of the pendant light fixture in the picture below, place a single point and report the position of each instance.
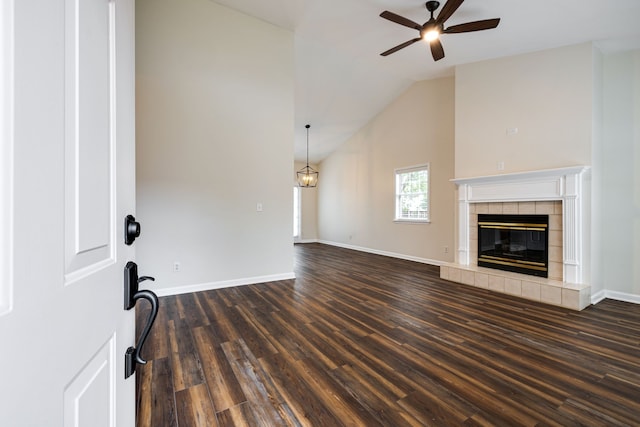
(307, 176)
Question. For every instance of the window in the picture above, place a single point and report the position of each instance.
(412, 194)
(296, 212)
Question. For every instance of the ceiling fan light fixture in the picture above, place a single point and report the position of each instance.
(431, 35)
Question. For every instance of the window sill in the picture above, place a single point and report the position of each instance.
(412, 221)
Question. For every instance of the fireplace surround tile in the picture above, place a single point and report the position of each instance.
(513, 286)
(455, 275)
(527, 208)
(555, 221)
(496, 283)
(555, 268)
(571, 299)
(555, 255)
(482, 208)
(551, 294)
(531, 290)
(481, 280)
(510, 208)
(555, 238)
(467, 277)
(495, 208)
(544, 208)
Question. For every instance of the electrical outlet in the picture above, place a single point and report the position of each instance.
(259, 207)
(446, 249)
(500, 165)
(176, 267)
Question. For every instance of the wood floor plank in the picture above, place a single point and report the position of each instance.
(256, 384)
(363, 340)
(237, 416)
(163, 408)
(224, 388)
(185, 362)
(304, 404)
(194, 407)
(369, 397)
(144, 391)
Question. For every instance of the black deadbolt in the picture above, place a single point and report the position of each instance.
(131, 229)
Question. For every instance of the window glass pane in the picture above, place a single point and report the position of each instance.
(412, 194)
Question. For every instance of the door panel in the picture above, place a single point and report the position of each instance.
(64, 333)
(89, 67)
(86, 395)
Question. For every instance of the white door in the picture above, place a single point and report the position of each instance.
(66, 185)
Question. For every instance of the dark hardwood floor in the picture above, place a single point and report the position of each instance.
(364, 340)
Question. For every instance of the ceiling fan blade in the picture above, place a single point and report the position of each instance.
(436, 49)
(448, 10)
(486, 24)
(400, 20)
(400, 46)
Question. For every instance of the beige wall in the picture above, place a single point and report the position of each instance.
(356, 189)
(309, 207)
(547, 96)
(572, 106)
(214, 124)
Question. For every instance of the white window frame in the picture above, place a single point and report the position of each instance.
(398, 214)
(297, 213)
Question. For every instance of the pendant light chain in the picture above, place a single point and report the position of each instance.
(308, 126)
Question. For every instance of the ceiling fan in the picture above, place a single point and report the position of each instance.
(432, 29)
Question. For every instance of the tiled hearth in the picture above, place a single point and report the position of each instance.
(570, 295)
(559, 193)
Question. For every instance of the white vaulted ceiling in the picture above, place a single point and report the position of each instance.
(342, 82)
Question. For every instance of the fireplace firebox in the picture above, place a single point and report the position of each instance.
(517, 243)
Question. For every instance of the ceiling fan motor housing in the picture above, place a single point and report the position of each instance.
(432, 5)
(431, 24)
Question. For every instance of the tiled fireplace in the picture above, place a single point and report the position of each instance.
(559, 193)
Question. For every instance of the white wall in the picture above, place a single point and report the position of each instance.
(547, 96)
(309, 207)
(357, 184)
(215, 110)
(619, 207)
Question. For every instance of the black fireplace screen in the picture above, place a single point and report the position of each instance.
(516, 243)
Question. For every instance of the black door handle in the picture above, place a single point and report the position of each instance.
(131, 295)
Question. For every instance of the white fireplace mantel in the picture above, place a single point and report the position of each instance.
(565, 184)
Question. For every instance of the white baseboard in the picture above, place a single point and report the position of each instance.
(177, 290)
(618, 296)
(306, 241)
(385, 253)
(597, 297)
